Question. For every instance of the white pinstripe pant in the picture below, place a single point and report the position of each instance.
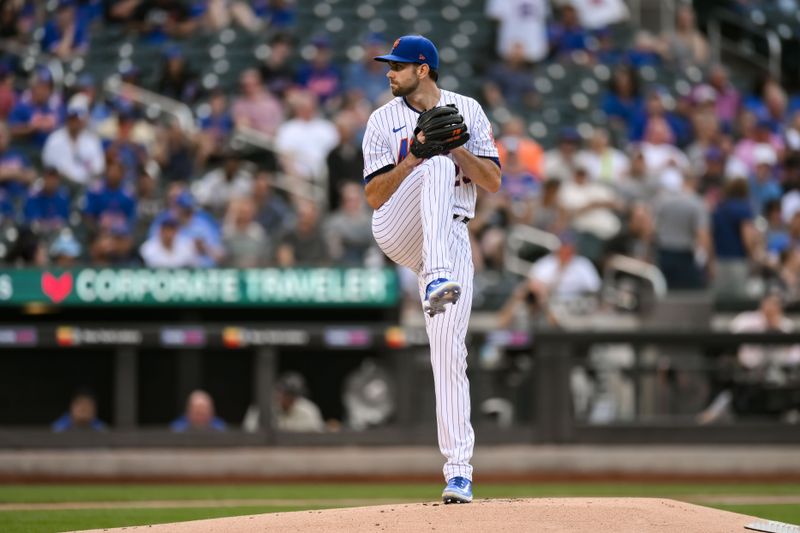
(415, 228)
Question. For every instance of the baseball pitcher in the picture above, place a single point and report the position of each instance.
(425, 152)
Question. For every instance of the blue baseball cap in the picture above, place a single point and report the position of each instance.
(413, 49)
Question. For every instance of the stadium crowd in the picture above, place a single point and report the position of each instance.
(705, 185)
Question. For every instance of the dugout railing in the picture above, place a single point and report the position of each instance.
(541, 390)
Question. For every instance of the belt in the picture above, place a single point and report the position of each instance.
(462, 218)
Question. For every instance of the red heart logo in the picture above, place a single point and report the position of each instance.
(57, 288)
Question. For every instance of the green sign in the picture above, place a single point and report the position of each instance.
(330, 287)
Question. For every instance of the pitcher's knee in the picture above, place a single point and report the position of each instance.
(441, 165)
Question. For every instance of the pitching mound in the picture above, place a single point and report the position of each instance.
(573, 515)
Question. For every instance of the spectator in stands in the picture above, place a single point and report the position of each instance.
(560, 162)
(65, 250)
(712, 179)
(274, 214)
(160, 20)
(658, 149)
(197, 226)
(38, 112)
(509, 83)
(82, 414)
(348, 230)
(529, 153)
(17, 20)
(789, 274)
(638, 185)
(655, 109)
(319, 75)
(682, 237)
(7, 211)
(558, 277)
(727, 98)
(567, 35)
(603, 162)
(345, 161)
(73, 149)
(215, 128)
(735, 239)
(306, 244)
(67, 35)
(597, 14)
(776, 236)
(168, 249)
(590, 208)
(686, 45)
(293, 410)
(220, 14)
(246, 243)
(305, 140)
(126, 149)
(764, 184)
(113, 246)
(233, 179)
(707, 136)
(623, 102)
(546, 212)
(754, 134)
(199, 415)
(276, 14)
(110, 201)
(524, 22)
(645, 50)
(368, 76)
(765, 368)
(177, 80)
(16, 172)
(276, 69)
(519, 186)
(174, 154)
(8, 95)
(48, 204)
(256, 108)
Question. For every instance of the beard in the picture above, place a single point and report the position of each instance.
(405, 91)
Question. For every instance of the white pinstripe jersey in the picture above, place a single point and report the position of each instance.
(390, 131)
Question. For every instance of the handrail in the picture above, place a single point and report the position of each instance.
(520, 234)
(717, 41)
(182, 113)
(636, 267)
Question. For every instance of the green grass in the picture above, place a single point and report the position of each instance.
(49, 521)
(789, 513)
(413, 491)
(52, 521)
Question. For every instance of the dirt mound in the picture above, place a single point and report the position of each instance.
(573, 515)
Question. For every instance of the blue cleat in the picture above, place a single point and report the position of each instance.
(440, 292)
(458, 490)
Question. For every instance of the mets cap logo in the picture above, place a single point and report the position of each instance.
(396, 44)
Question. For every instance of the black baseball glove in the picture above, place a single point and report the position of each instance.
(444, 130)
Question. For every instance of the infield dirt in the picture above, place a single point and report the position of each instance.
(557, 515)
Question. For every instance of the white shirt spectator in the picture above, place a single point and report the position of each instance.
(521, 21)
(599, 221)
(611, 166)
(596, 14)
(754, 355)
(215, 192)
(78, 160)
(182, 254)
(657, 157)
(576, 278)
(307, 143)
(304, 415)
